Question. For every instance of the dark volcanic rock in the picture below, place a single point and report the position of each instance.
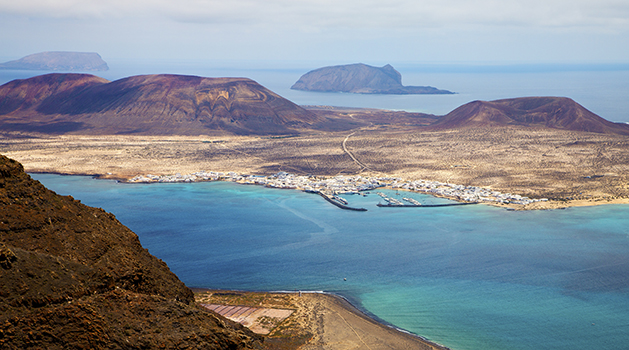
(38, 220)
(548, 112)
(72, 276)
(59, 61)
(361, 79)
(148, 104)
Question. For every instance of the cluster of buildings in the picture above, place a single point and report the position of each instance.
(194, 177)
(346, 185)
(463, 193)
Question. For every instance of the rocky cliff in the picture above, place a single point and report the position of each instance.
(59, 61)
(360, 79)
(72, 276)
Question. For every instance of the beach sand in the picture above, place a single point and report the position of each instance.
(320, 322)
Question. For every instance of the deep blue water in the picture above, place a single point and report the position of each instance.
(472, 277)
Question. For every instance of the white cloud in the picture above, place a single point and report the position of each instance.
(353, 14)
(493, 30)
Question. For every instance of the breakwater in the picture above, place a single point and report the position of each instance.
(422, 206)
(338, 204)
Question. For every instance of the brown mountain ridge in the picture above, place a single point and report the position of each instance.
(192, 105)
(148, 104)
(546, 112)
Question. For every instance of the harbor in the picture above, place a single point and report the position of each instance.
(422, 206)
(391, 202)
(356, 184)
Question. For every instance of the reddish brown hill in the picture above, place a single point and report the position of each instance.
(149, 104)
(73, 277)
(25, 94)
(549, 112)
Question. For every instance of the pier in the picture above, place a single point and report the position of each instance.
(422, 206)
(339, 204)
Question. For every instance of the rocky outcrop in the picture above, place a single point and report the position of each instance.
(360, 79)
(59, 61)
(547, 112)
(148, 105)
(72, 276)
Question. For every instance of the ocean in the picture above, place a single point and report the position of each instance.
(471, 278)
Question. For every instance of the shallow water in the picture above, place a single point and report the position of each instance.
(471, 277)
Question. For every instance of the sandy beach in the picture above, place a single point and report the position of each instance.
(320, 322)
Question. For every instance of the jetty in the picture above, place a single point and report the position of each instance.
(337, 203)
(412, 201)
(389, 205)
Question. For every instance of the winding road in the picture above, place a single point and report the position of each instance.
(363, 166)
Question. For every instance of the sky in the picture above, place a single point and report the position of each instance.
(327, 31)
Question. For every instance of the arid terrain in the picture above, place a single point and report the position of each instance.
(540, 147)
(568, 167)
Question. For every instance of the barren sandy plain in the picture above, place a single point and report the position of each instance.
(569, 168)
(320, 322)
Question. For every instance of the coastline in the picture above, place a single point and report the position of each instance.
(570, 169)
(544, 204)
(322, 320)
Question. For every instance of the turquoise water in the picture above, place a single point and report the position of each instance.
(472, 277)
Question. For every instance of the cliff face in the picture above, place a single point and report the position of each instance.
(547, 112)
(147, 104)
(72, 276)
(59, 61)
(361, 79)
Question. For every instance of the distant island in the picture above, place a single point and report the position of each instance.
(59, 61)
(360, 78)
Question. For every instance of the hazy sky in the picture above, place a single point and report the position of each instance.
(334, 31)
